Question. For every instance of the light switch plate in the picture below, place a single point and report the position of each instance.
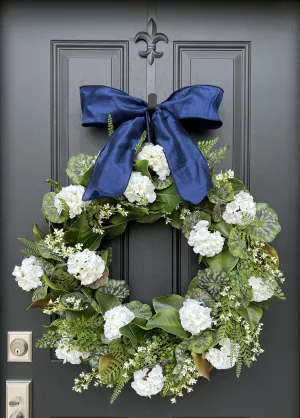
(19, 389)
(25, 335)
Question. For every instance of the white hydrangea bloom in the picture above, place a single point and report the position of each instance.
(72, 196)
(242, 205)
(28, 274)
(195, 317)
(69, 353)
(260, 290)
(148, 383)
(223, 358)
(86, 266)
(157, 159)
(115, 319)
(205, 242)
(140, 189)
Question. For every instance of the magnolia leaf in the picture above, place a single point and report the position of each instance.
(237, 243)
(265, 226)
(252, 315)
(162, 303)
(169, 197)
(38, 234)
(223, 227)
(273, 253)
(169, 321)
(93, 242)
(202, 342)
(132, 214)
(162, 184)
(50, 211)
(224, 261)
(202, 365)
(140, 310)
(79, 231)
(117, 288)
(104, 362)
(106, 301)
(143, 167)
(211, 281)
(115, 230)
(149, 219)
(40, 293)
(78, 165)
(41, 303)
(134, 332)
(192, 219)
(221, 194)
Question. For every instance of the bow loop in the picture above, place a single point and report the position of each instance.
(194, 107)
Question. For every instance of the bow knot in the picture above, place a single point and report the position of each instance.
(194, 108)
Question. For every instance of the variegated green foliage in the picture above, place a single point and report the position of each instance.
(49, 210)
(192, 219)
(237, 243)
(161, 184)
(117, 288)
(201, 343)
(39, 293)
(140, 310)
(211, 281)
(265, 226)
(221, 194)
(79, 166)
(65, 280)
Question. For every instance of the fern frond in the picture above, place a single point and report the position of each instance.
(28, 252)
(31, 245)
(206, 146)
(117, 391)
(141, 141)
(110, 125)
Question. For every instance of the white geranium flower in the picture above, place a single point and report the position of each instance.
(67, 352)
(205, 242)
(115, 319)
(86, 266)
(260, 290)
(72, 196)
(242, 206)
(155, 155)
(147, 383)
(195, 317)
(223, 358)
(140, 189)
(28, 274)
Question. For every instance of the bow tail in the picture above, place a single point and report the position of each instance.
(188, 167)
(113, 166)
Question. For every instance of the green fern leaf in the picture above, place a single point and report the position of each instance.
(110, 125)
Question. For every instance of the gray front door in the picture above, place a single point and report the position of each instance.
(249, 49)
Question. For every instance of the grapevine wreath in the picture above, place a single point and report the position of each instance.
(164, 348)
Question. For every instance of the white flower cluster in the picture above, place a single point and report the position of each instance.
(86, 266)
(155, 155)
(72, 196)
(225, 357)
(194, 317)
(56, 243)
(205, 242)
(28, 274)
(140, 189)
(148, 383)
(229, 174)
(115, 319)
(69, 353)
(240, 209)
(261, 291)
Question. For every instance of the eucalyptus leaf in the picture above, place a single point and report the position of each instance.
(50, 211)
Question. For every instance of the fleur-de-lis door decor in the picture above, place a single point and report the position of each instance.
(151, 38)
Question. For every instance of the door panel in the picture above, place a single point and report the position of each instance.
(251, 51)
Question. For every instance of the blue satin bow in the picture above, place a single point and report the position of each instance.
(194, 107)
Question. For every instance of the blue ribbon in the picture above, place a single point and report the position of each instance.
(194, 107)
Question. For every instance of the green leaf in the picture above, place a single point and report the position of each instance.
(94, 358)
(117, 288)
(237, 185)
(221, 194)
(169, 197)
(206, 146)
(40, 293)
(265, 226)
(79, 231)
(143, 167)
(115, 230)
(38, 234)
(201, 295)
(217, 212)
(149, 219)
(237, 243)
(78, 165)
(176, 221)
(169, 321)
(93, 242)
(106, 301)
(45, 252)
(64, 280)
(76, 295)
(192, 220)
(133, 214)
(86, 178)
(223, 261)
(252, 315)
(134, 332)
(55, 185)
(162, 303)
(203, 366)
(46, 266)
(211, 281)
(223, 227)
(41, 303)
(88, 295)
(50, 284)
(161, 184)
(50, 211)
(141, 141)
(140, 310)
(201, 343)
